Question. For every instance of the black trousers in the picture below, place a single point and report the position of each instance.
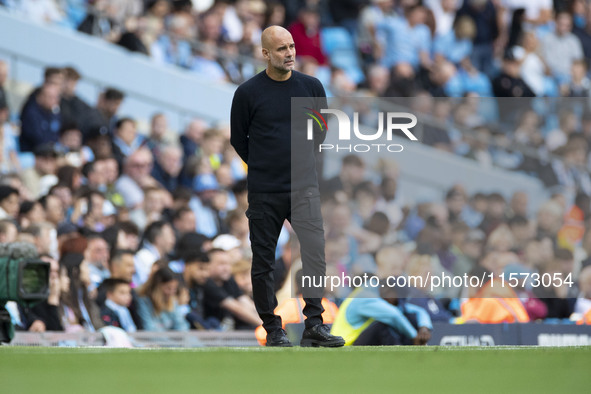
(266, 214)
(380, 334)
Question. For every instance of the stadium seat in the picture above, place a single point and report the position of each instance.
(340, 48)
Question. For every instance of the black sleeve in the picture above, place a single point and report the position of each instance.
(48, 314)
(319, 134)
(133, 310)
(213, 294)
(239, 124)
(232, 288)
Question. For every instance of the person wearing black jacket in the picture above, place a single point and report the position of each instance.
(261, 133)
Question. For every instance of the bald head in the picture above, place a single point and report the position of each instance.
(279, 52)
(273, 33)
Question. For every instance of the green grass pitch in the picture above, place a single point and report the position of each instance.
(34, 370)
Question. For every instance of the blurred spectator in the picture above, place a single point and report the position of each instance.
(352, 173)
(116, 312)
(206, 189)
(8, 231)
(456, 45)
(484, 14)
(192, 138)
(555, 298)
(41, 119)
(153, 21)
(580, 84)
(9, 202)
(43, 173)
(155, 201)
(420, 265)
(567, 125)
(54, 210)
(158, 129)
(444, 13)
(223, 298)
(78, 311)
(73, 108)
(3, 78)
(306, 35)
(158, 304)
(101, 21)
(96, 256)
(205, 63)
(122, 267)
(131, 39)
(370, 18)
(9, 160)
(407, 42)
(195, 275)
(175, 47)
(104, 116)
(378, 81)
(437, 136)
(183, 221)
(534, 70)
(136, 176)
(509, 83)
(583, 302)
(30, 212)
(70, 144)
(42, 11)
(159, 241)
(126, 138)
(168, 166)
(495, 213)
(127, 236)
(344, 12)
(582, 29)
(561, 48)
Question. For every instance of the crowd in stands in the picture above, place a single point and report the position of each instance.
(146, 231)
(386, 48)
(509, 48)
(149, 231)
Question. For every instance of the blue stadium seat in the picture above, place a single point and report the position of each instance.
(340, 48)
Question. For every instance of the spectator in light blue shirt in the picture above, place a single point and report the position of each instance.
(158, 305)
(206, 187)
(406, 40)
(456, 45)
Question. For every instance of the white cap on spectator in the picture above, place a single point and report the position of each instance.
(226, 242)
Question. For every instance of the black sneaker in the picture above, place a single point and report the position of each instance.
(278, 338)
(319, 335)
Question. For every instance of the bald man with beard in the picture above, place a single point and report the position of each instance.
(261, 127)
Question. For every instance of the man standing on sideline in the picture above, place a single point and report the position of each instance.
(262, 136)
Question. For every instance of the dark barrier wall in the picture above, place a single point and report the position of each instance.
(510, 334)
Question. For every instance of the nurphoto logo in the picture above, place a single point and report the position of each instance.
(391, 119)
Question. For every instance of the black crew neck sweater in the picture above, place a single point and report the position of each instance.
(262, 132)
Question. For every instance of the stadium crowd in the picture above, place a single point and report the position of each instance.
(388, 48)
(509, 48)
(146, 230)
(149, 232)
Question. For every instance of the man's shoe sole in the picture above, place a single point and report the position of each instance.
(317, 343)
